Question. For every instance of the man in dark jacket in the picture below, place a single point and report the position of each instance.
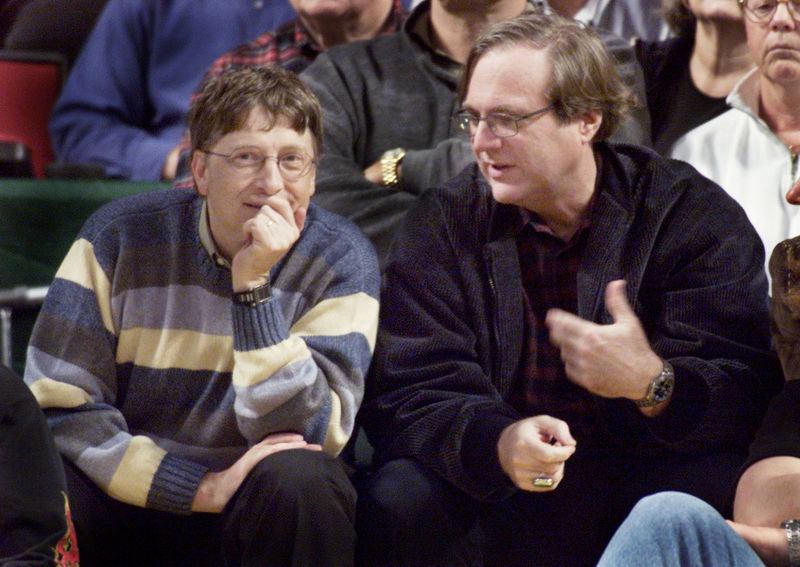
(566, 326)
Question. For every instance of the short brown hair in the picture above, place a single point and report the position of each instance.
(226, 100)
(585, 77)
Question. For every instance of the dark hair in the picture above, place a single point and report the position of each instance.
(585, 77)
(225, 102)
(679, 18)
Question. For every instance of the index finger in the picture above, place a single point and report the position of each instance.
(563, 325)
(280, 204)
(283, 437)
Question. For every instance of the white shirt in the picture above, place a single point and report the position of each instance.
(739, 151)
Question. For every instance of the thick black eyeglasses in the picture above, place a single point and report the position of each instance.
(502, 125)
(292, 165)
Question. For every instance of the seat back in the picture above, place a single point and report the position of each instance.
(30, 83)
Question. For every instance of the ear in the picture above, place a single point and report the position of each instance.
(588, 125)
(200, 172)
(313, 180)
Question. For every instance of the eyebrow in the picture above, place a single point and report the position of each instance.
(496, 110)
(281, 149)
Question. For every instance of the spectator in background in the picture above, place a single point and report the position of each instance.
(200, 356)
(688, 77)
(522, 397)
(35, 525)
(752, 149)
(625, 18)
(387, 104)
(124, 104)
(319, 25)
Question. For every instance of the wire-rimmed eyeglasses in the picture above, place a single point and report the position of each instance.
(502, 124)
(761, 11)
(291, 165)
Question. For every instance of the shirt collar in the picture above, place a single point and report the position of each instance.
(206, 238)
(746, 93)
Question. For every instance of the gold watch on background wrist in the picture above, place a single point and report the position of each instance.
(390, 162)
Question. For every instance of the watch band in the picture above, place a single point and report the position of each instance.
(390, 160)
(660, 388)
(253, 297)
(792, 528)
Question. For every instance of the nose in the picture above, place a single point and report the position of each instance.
(483, 138)
(782, 18)
(269, 177)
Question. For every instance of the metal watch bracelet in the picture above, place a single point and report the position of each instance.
(254, 296)
(792, 528)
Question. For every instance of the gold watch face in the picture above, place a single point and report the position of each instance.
(394, 153)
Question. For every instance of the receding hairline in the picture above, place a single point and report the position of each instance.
(521, 43)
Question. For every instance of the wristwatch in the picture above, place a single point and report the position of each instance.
(660, 388)
(254, 296)
(792, 528)
(390, 160)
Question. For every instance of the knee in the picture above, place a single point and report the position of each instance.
(300, 475)
(675, 512)
(405, 497)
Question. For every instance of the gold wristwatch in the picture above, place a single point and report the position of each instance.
(390, 161)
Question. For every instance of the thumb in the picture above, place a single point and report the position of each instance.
(793, 194)
(617, 301)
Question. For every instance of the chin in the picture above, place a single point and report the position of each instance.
(506, 194)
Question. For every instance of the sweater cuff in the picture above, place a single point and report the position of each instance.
(174, 485)
(258, 326)
(479, 449)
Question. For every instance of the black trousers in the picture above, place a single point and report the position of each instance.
(409, 516)
(296, 508)
(33, 519)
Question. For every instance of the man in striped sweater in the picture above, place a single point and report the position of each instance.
(201, 355)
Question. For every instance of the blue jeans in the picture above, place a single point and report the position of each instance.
(672, 529)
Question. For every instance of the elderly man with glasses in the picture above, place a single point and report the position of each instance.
(752, 149)
(566, 326)
(200, 356)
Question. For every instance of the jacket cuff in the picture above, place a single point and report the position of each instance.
(680, 417)
(479, 449)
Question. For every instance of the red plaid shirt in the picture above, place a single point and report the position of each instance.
(549, 269)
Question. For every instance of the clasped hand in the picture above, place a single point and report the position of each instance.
(535, 447)
(267, 237)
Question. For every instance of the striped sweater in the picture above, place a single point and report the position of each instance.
(150, 376)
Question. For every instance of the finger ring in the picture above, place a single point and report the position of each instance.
(541, 480)
(270, 222)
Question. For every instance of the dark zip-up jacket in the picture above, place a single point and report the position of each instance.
(451, 334)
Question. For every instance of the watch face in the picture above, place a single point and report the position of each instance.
(662, 389)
